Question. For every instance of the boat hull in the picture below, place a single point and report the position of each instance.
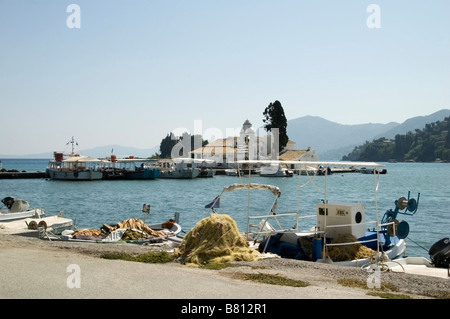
(53, 224)
(290, 245)
(172, 234)
(391, 253)
(137, 174)
(6, 215)
(207, 173)
(180, 174)
(86, 175)
(277, 174)
(143, 174)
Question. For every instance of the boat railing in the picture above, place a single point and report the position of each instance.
(272, 216)
(325, 245)
(346, 225)
(261, 230)
(379, 228)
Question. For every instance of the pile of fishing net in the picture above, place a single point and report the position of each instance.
(348, 252)
(215, 239)
(129, 229)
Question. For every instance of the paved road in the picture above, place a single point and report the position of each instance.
(32, 273)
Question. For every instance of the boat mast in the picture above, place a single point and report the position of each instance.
(72, 141)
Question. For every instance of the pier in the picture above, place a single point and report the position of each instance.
(17, 175)
(14, 174)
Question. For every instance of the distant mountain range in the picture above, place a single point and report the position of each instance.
(120, 151)
(99, 152)
(332, 141)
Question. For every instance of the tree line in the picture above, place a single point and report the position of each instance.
(430, 144)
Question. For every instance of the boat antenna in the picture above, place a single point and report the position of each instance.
(72, 141)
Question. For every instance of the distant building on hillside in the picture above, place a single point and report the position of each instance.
(247, 146)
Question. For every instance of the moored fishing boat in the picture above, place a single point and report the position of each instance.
(129, 168)
(342, 234)
(73, 167)
(206, 172)
(132, 230)
(178, 168)
(206, 167)
(18, 217)
(274, 170)
(365, 170)
(16, 209)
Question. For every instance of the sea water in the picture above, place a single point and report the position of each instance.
(90, 204)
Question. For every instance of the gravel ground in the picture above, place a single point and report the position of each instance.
(323, 278)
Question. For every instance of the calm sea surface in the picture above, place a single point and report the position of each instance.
(91, 204)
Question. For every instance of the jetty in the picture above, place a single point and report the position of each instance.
(29, 175)
(17, 175)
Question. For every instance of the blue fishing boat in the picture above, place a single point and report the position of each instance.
(341, 227)
(129, 168)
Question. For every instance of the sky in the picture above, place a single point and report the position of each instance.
(130, 72)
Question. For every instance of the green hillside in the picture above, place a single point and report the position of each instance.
(430, 144)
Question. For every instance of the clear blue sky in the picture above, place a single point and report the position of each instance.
(136, 70)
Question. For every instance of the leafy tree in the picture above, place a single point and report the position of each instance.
(167, 143)
(274, 118)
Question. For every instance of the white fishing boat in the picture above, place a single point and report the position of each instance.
(241, 172)
(338, 224)
(31, 220)
(132, 230)
(73, 167)
(16, 209)
(274, 170)
(178, 168)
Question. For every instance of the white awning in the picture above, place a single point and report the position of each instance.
(84, 159)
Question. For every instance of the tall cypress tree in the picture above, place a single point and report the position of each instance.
(274, 118)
